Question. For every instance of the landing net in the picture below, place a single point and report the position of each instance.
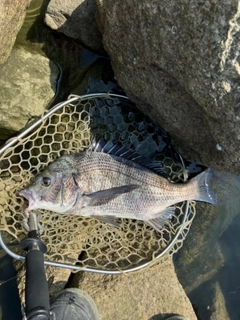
(73, 241)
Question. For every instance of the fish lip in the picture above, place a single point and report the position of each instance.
(32, 199)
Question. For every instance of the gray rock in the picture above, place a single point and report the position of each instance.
(180, 63)
(219, 306)
(137, 295)
(12, 13)
(201, 256)
(210, 304)
(207, 264)
(27, 85)
(75, 19)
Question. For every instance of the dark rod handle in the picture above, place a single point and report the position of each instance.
(36, 290)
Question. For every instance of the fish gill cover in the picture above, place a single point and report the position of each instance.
(87, 242)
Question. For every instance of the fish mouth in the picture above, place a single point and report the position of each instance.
(32, 199)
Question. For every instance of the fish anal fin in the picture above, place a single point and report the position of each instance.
(111, 220)
(103, 196)
(161, 218)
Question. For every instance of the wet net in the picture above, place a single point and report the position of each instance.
(75, 241)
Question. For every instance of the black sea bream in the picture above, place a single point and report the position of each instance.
(107, 187)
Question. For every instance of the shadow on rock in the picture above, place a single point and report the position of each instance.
(211, 243)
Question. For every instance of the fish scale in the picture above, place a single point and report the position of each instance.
(129, 169)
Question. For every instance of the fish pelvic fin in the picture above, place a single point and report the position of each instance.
(203, 180)
(161, 218)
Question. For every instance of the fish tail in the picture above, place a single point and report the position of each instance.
(202, 180)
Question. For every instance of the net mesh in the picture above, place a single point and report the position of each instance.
(76, 240)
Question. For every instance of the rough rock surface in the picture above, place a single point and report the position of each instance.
(210, 253)
(179, 61)
(201, 256)
(27, 85)
(211, 303)
(138, 295)
(76, 19)
(220, 310)
(12, 13)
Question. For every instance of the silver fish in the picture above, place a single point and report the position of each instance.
(106, 187)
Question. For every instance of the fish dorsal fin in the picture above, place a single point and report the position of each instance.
(129, 154)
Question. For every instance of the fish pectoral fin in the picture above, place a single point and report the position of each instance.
(103, 196)
(113, 221)
(161, 218)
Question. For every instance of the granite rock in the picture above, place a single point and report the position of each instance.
(75, 19)
(12, 13)
(27, 86)
(137, 295)
(202, 256)
(179, 61)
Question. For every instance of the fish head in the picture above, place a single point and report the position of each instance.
(53, 189)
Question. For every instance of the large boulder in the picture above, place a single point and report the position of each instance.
(210, 252)
(27, 86)
(179, 61)
(12, 13)
(202, 256)
(75, 19)
(211, 304)
(137, 295)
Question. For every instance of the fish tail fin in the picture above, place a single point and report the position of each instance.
(202, 180)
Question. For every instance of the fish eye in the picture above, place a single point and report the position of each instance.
(46, 181)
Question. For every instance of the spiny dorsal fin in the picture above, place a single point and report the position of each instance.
(129, 154)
